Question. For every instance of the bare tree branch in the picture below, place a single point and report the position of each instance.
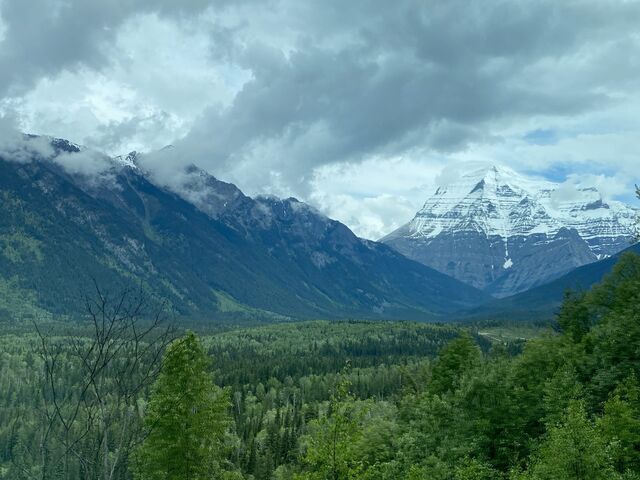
(111, 368)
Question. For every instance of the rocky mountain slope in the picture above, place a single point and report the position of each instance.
(544, 301)
(204, 246)
(505, 233)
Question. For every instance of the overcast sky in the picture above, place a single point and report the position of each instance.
(354, 106)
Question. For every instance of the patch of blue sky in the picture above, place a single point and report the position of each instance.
(541, 137)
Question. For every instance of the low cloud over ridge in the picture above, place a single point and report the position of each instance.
(275, 95)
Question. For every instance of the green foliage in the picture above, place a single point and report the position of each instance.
(574, 317)
(19, 247)
(562, 388)
(475, 470)
(456, 358)
(330, 450)
(253, 356)
(619, 291)
(491, 420)
(620, 425)
(612, 344)
(187, 417)
(561, 406)
(574, 450)
(18, 303)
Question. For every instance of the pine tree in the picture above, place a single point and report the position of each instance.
(187, 416)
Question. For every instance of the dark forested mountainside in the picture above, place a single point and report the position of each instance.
(257, 259)
(353, 400)
(543, 302)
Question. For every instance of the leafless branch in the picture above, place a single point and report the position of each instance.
(111, 369)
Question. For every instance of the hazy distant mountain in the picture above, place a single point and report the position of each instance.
(505, 233)
(207, 248)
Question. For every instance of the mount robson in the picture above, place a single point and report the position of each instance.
(505, 233)
(206, 248)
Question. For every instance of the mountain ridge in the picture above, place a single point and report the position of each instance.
(265, 257)
(505, 233)
(543, 302)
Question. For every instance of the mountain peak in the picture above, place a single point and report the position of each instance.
(496, 200)
(202, 245)
(128, 160)
(482, 180)
(498, 219)
(490, 170)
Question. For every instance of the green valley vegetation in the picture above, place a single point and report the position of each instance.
(186, 418)
(330, 400)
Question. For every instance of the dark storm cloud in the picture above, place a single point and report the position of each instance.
(343, 81)
(363, 78)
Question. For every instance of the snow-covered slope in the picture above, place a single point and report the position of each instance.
(607, 227)
(505, 233)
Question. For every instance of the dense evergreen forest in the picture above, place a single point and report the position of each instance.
(123, 397)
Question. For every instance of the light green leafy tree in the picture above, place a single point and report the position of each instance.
(330, 453)
(476, 470)
(574, 450)
(187, 416)
(621, 425)
(613, 342)
(559, 391)
(456, 358)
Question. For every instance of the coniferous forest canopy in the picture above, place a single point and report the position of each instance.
(123, 395)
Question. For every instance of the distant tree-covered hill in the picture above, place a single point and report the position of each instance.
(544, 301)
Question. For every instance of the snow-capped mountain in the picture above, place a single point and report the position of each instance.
(505, 233)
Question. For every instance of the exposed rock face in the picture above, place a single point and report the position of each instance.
(505, 233)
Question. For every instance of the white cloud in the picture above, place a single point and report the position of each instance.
(375, 196)
(16, 147)
(357, 107)
(148, 97)
(85, 162)
(369, 217)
